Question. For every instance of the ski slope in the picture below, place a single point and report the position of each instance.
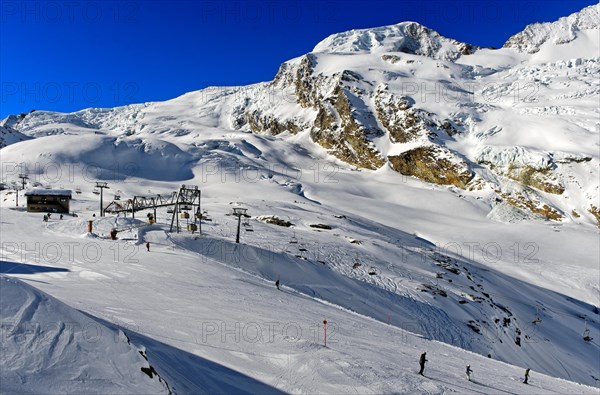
(218, 325)
(396, 265)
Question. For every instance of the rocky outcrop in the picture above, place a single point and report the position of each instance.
(259, 123)
(595, 211)
(433, 164)
(542, 179)
(336, 129)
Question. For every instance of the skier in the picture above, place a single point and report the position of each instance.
(61, 216)
(45, 218)
(277, 283)
(526, 376)
(422, 361)
(469, 371)
(148, 246)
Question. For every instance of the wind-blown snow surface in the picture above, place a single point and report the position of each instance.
(48, 347)
(405, 264)
(211, 321)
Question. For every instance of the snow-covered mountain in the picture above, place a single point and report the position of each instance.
(563, 31)
(433, 190)
(407, 37)
(518, 125)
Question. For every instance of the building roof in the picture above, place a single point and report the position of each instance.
(49, 192)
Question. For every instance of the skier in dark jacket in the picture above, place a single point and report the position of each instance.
(277, 283)
(526, 376)
(422, 361)
(469, 371)
(148, 246)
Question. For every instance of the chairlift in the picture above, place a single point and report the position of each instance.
(96, 191)
(77, 190)
(372, 271)
(170, 210)
(294, 240)
(247, 226)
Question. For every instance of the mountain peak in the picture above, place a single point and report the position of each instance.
(562, 31)
(407, 37)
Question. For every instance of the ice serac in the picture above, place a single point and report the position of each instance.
(407, 37)
(563, 31)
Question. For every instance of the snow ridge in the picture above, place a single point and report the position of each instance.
(563, 31)
(407, 37)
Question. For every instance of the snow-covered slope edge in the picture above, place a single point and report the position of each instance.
(50, 348)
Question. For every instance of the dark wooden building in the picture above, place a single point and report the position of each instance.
(48, 200)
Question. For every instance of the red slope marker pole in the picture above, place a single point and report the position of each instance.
(325, 329)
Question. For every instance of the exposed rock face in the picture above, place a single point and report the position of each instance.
(269, 124)
(337, 130)
(533, 169)
(396, 115)
(595, 211)
(530, 203)
(542, 179)
(432, 164)
(307, 86)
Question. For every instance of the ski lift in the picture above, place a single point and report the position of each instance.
(294, 240)
(96, 191)
(537, 318)
(170, 210)
(586, 333)
(247, 225)
(78, 190)
(372, 271)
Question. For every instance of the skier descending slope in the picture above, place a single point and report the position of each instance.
(422, 361)
(526, 376)
(468, 372)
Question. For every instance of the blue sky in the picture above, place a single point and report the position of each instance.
(69, 55)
